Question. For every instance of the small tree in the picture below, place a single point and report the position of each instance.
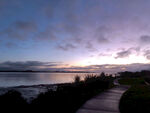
(102, 74)
(77, 79)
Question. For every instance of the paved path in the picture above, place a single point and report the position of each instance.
(106, 102)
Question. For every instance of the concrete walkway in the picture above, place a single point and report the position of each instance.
(106, 102)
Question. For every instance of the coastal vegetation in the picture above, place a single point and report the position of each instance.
(137, 98)
(132, 81)
(68, 98)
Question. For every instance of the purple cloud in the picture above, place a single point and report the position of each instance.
(127, 52)
(66, 47)
(145, 39)
(20, 30)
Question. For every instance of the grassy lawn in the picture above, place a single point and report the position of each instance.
(136, 100)
(132, 81)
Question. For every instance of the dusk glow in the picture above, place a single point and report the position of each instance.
(78, 35)
(75, 56)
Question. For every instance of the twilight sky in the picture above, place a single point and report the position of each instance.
(83, 35)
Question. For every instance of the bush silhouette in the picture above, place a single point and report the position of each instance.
(68, 97)
(77, 79)
(12, 101)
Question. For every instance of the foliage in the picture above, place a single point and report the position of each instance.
(136, 100)
(77, 79)
(131, 81)
(68, 98)
(11, 101)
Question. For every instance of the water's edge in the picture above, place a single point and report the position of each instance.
(30, 92)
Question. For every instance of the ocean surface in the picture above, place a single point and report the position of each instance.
(11, 79)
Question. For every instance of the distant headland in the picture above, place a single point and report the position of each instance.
(46, 71)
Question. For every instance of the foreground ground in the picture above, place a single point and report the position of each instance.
(67, 98)
(137, 98)
(106, 102)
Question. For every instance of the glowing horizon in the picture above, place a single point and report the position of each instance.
(65, 34)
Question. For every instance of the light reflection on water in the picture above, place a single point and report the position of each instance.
(8, 79)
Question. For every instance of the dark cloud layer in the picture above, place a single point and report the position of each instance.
(28, 65)
(49, 66)
(147, 54)
(145, 39)
(112, 68)
(20, 30)
(123, 54)
(127, 52)
(66, 47)
(90, 47)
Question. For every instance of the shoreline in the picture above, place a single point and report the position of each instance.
(29, 92)
(48, 71)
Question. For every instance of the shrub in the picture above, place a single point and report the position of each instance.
(12, 101)
(90, 78)
(77, 79)
(68, 98)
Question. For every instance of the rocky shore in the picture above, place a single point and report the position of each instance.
(30, 92)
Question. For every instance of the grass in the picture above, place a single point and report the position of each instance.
(147, 79)
(136, 100)
(132, 81)
(68, 98)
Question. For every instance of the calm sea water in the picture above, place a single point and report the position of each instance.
(8, 79)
